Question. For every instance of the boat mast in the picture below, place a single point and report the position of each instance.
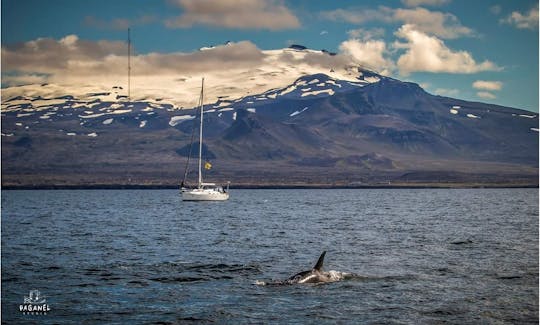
(200, 134)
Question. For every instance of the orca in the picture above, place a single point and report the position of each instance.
(314, 276)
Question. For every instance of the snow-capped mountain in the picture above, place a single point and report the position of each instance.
(276, 69)
(280, 123)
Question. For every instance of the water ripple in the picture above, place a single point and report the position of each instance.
(418, 256)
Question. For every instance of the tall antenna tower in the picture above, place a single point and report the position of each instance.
(129, 66)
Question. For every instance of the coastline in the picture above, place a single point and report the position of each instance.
(273, 186)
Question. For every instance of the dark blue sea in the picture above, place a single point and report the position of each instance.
(426, 256)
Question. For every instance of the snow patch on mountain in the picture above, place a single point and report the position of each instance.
(175, 120)
(120, 111)
(92, 115)
(317, 92)
(298, 112)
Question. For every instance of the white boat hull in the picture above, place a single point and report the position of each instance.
(204, 195)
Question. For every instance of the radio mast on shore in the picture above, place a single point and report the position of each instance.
(129, 66)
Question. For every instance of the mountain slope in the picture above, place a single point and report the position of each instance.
(316, 130)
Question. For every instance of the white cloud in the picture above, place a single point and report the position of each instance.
(47, 55)
(239, 14)
(440, 24)
(446, 91)
(24, 79)
(444, 25)
(430, 54)
(70, 41)
(485, 95)
(73, 59)
(370, 54)
(487, 85)
(366, 34)
(528, 20)
(416, 3)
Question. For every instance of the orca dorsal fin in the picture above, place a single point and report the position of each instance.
(320, 262)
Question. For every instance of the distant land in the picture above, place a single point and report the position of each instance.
(282, 126)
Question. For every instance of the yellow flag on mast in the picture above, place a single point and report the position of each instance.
(207, 165)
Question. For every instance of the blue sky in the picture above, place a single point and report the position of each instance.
(475, 50)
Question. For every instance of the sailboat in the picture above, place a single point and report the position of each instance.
(203, 191)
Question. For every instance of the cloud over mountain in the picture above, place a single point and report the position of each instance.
(369, 53)
(71, 59)
(80, 65)
(430, 54)
(485, 95)
(443, 25)
(487, 85)
(47, 56)
(259, 14)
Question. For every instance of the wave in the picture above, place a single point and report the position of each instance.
(170, 272)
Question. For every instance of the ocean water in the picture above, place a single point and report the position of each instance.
(426, 256)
